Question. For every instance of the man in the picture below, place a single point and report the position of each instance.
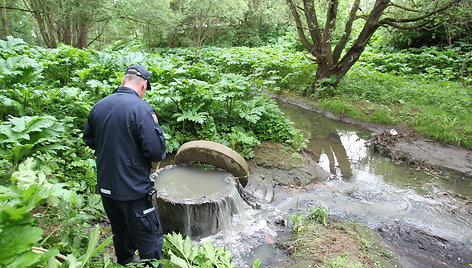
(124, 132)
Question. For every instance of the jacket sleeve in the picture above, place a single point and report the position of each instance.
(89, 135)
(151, 136)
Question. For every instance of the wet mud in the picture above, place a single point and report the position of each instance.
(416, 248)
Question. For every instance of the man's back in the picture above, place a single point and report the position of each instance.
(124, 132)
(126, 139)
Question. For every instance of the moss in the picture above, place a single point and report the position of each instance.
(341, 244)
(277, 155)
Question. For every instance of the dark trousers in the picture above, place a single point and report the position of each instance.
(135, 225)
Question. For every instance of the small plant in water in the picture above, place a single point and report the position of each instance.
(297, 220)
(319, 214)
(315, 214)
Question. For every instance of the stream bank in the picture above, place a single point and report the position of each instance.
(423, 215)
(406, 146)
(387, 226)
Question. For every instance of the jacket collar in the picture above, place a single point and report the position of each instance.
(127, 90)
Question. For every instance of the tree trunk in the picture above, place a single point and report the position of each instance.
(324, 72)
(447, 28)
(52, 31)
(48, 40)
(83, 36)
(198, 42)
(67, 33)
(5, 23)
(44, 20)
(337, 71)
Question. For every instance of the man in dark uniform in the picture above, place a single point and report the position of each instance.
(123, 130)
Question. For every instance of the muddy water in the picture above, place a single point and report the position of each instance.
(192, 182)
(342, 151)
(197, 201)
(370, 189)
(425, 218)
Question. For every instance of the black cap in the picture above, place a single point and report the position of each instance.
(141, 72)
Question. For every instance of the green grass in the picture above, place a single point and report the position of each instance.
(435, 123)
(340, 106)
(343, 261)
(440, 110)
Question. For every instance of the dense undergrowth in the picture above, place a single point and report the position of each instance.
(46, 95)
(46, 171)
(427, 89)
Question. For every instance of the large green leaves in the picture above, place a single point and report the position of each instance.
(18, 69)
(20, 137)
(93, 248)
(181, 252)
(17, 233)
(16, 241)
(12, 46)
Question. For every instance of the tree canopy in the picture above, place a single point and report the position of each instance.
(155, 23)
(325, 28)
(334, 33)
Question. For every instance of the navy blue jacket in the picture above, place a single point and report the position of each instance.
(125, 134)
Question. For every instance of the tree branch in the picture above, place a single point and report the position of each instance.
(302, 9)
(347, 32)
(403, 7)
(403, 27)
(364, 17)
(133, 19)
(330, 24)
(15, 8)
(98, 36)
(370, 26)
(298, 23)
(415, 19)
(312, 21)
(311, 58)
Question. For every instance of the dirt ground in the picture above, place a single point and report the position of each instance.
(340, 244)
(406, 146)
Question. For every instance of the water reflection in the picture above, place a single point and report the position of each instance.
(340, 149)
(332, 147)
(330, 152)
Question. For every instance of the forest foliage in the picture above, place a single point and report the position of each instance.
(46, 95)
(47, 175)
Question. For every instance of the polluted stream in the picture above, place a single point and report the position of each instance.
(424, 217)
